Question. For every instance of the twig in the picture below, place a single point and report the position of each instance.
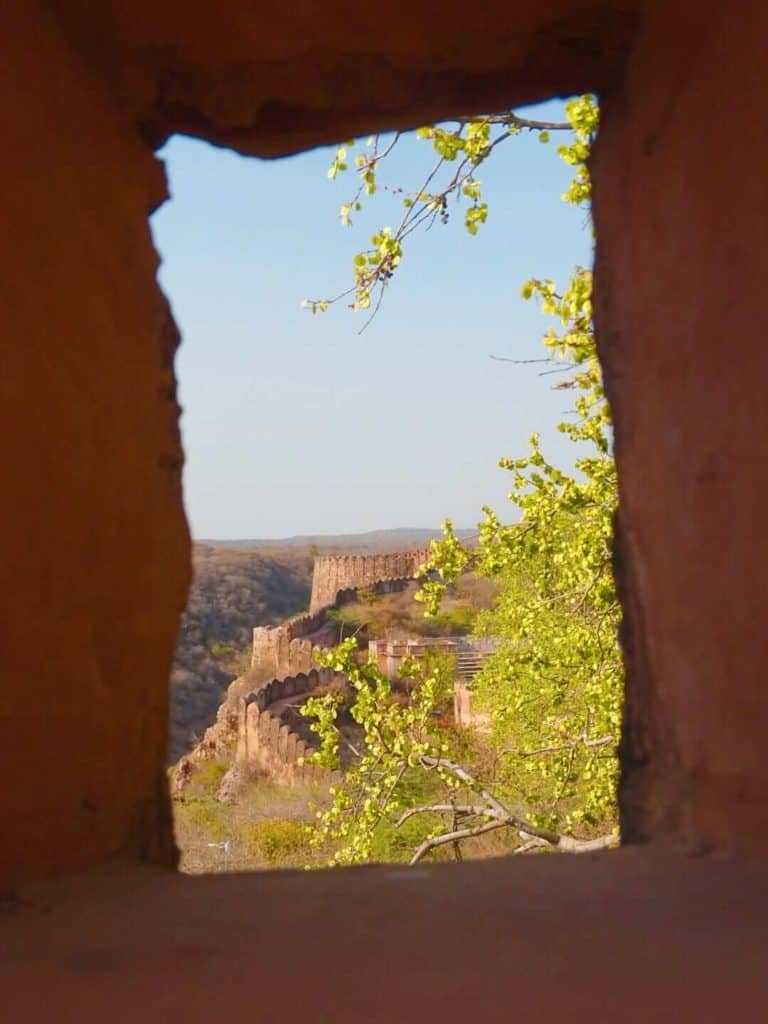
(579, 741)
(508, 117)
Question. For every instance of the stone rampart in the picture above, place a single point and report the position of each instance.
(283, 657)
(287, 649)
(335, 573)
(282, 650)
(269, 744)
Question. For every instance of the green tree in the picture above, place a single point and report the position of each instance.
(553, 688)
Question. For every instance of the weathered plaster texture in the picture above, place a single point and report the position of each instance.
(682, 224)
(268, 80)
(94, 546)
(93, 542)
(630, 936)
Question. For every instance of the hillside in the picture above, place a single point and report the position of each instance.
(234, 589)
(374, 541)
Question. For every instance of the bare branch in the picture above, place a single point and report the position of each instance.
(464, 809)
(495, 808)
(580, 741)
(510, 118)
(567, 844)
(500, 817)
(498, 809)
(560, 363)
(532, 844)
(454, 837)
(352, 747)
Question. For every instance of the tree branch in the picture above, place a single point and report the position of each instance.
(498, 816)
(580, 741)
(509, 117)
(465, 809)
(453, 837)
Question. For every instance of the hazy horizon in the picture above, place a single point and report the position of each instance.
(314, 537)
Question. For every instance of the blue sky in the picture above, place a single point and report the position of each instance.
(300, 424)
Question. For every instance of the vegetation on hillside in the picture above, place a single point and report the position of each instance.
(397, 615)
(234, 589)
(266, 826)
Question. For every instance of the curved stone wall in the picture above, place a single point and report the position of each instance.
(267, 742)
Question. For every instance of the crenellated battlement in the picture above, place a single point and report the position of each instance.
(336, 573)
(268, 740)
(283, 658)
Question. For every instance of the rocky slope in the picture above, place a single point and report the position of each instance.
(234, 590)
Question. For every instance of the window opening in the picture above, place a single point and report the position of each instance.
(317, 714)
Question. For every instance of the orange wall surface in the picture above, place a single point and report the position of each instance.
(93, 544)
(681, 209)
(95, 552)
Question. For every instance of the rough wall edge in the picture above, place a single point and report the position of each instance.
(299, 90)
(646, 749)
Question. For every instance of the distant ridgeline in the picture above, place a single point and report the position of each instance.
(256, 726)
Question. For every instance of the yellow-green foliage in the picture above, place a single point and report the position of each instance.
(277, 840)
(552, 691)
(205, 816)
(396, 736)
(400, 615)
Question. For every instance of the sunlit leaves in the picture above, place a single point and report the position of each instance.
(553, 688)
(459, 151)
(396, 734)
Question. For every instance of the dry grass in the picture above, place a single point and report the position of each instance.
(263, 828)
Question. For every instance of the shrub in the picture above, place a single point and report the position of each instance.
(276, 840)
(205, 816)
(391, 844)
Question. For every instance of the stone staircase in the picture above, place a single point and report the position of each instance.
(468, 664)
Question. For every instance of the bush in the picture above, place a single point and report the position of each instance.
(276, 840)
(392, 845)
(205, 816)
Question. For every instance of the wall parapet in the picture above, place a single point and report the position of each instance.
(335, 573)
(285, 649)
(285, 653)
(269, 744)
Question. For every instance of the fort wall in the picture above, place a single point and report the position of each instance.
(248, 729)
(335, 573)
(268, 743)
(286, 649)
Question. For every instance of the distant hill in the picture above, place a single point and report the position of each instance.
(400, 538)
(235, 588)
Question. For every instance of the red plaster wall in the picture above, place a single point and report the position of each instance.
(682, 221)
(269, 79)
(94, 546)
(93, 543)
